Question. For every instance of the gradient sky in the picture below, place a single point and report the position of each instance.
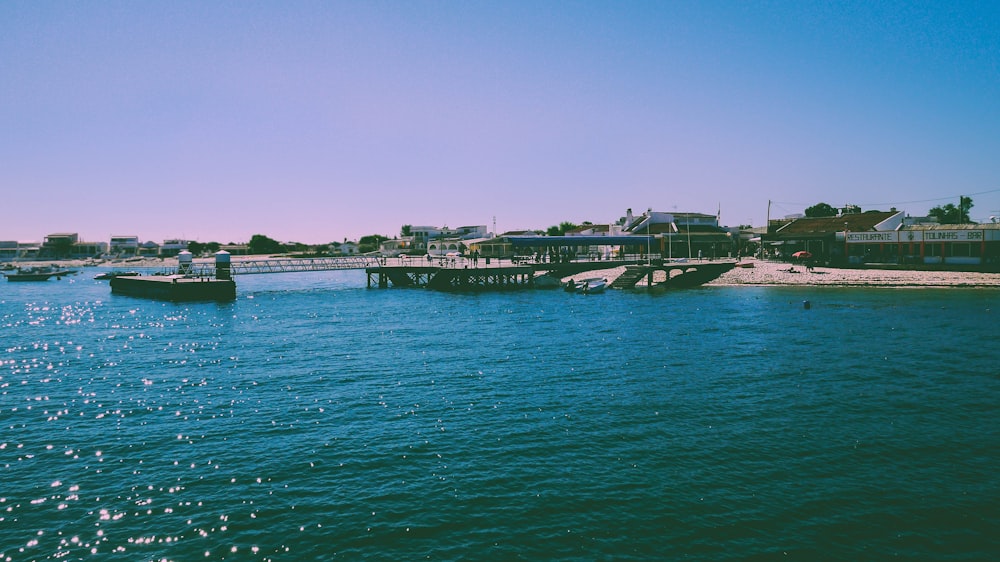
(319, 121)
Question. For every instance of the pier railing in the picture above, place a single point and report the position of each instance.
(287, 265)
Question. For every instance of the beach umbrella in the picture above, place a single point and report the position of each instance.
(802, 255)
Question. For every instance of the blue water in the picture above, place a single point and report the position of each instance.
(316, 419)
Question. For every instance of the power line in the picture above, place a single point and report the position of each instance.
(952, 198)
(899, 203)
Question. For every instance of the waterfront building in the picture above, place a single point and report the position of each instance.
(438, 241)
(595, 233)
(443, 246)
(885, 238)
(149, 249)
(123, 246)
(11, 250)
(173, 246)
(823, 237)
(682, 234)
(932, 244)
(68, 245)
(396, 246)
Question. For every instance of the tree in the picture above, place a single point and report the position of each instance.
(406, 230)
(560, 230)
(821, 210)
(260, 244)
(370, 243)
(950, 214)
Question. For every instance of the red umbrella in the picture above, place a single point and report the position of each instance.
(802, 255)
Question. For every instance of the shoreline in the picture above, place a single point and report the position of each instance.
(784, 274)
(762, 274)
(779, 274)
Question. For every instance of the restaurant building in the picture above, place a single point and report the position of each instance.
(885, 238)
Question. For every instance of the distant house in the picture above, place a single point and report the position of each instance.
(347, 248)
(149, 249)
(421, 235)
(470, 232)
(397, 246)
(124, 245)
(11, 250)
(69, 245)
(235, 249)
(591, 230)
(445, 246)
(173, 247)
(434, 240)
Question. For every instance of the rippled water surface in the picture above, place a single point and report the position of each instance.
(316, 419)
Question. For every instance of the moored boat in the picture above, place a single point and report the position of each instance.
(113, 274)
(590, 285)
(37, 274)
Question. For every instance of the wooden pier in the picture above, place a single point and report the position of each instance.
(202, 281)
(452, 278)
(522, 276)
(678, 275)
(175, 288)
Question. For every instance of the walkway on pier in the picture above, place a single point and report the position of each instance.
(464, 273)
(249, 266)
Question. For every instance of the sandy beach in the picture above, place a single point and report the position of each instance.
(776, 273)
(765, 273)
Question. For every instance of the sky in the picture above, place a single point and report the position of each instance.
(323, 121)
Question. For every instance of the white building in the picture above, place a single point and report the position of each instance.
(173, 247)
(124, 245)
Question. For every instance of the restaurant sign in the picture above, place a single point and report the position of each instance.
(908, 236)
(872, 237)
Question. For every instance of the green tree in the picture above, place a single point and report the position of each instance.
(821, 210)
(560, 230)
(406, 230)
(370, 243)
(950, 214)
(260, 244)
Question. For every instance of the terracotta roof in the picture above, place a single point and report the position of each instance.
(968, 226)
(861, 222)
(586, 227)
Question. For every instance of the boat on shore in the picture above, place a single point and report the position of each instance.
(588, 286)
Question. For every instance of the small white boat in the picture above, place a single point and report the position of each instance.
(591, 285)
(113, 274)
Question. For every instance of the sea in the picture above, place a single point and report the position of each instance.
(315, 418)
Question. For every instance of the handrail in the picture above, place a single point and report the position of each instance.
(287, 265)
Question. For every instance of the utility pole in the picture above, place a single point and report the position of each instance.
(767, 223)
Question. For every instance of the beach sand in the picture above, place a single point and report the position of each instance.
(764, 273)
(776, 273)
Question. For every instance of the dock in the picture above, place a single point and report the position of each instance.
(452, 278)
(184, 285)
(459, 276)
(175, 287)
(193, 282)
